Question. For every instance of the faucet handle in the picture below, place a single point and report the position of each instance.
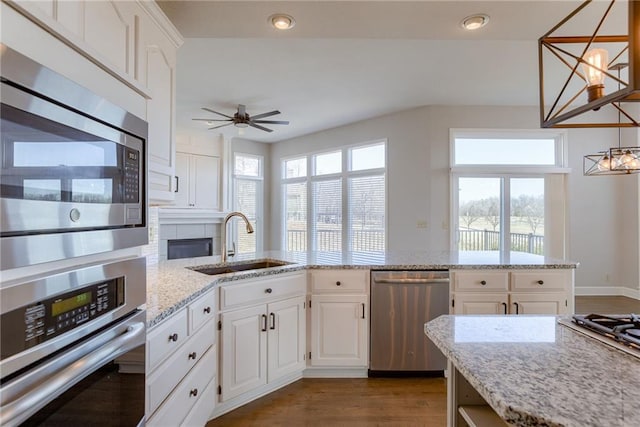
(232, 252)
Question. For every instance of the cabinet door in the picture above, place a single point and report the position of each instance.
(339, 330)
(480, 303)
(205, 181)
(109, 28)
(244, 351)
(539, 304)
(286, 342)
(182, 180)
(159, 62)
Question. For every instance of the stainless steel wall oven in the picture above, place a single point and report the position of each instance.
(73, 168)
(73, 347)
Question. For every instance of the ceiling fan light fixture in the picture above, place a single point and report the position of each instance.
(282, 21)
(474, 22)
(241, 125)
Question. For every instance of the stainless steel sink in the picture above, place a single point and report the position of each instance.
(243, 266)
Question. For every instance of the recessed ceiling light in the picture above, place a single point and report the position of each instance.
(281, 21)
(474, 22)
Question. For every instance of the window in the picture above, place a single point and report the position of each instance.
(347, 200)
(247, 191)
(503, 184)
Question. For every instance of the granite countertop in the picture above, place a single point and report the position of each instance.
(536, 372)
(172, 284)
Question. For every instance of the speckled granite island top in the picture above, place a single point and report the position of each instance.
(535, 372)
(172, 284)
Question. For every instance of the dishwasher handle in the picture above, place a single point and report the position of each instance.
(412, 281)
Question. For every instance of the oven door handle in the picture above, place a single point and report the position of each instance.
(20, 409)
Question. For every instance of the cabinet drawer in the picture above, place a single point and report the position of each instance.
(203, 408)
(174, 410)
(339, 281)
(166, 338)
(262, 290)
(480, 280)
(169, 373)
(201, 310)
(540, 280)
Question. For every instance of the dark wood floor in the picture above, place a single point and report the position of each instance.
(372, 401)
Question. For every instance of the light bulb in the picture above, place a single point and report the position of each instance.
(596, 63)
(281, 21)
(626, 159)
(604, 164)
(634, 164)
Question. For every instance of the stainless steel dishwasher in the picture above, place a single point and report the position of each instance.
(401, 303)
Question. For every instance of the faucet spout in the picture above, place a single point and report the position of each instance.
(223, 237)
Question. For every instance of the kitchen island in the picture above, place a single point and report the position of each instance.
(533, 371)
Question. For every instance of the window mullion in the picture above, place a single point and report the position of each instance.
(346, 214)
(311, 232)
(506, 215)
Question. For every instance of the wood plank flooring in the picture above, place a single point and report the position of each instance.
(357, 402)
(606, 305)
(372, 401)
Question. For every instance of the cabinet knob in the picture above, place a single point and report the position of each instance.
(193, 355)
(338, 283)
(193, 392)
(483, 282)
(540, 282)
(207, 310)
(268, 291)
(173, 337)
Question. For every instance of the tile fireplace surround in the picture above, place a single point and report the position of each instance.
(187, 231)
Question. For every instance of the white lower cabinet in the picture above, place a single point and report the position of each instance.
(182, 366)
(538, 291)
(515, 303)
(339, 332)
(265, 341)
(340, 318)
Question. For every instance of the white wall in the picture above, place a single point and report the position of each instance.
(418, 186)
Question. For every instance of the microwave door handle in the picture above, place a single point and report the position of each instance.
(22, 408)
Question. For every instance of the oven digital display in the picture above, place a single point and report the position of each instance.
(69, 304)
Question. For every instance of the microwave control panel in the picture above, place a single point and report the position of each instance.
(131, 175)
(34, 324)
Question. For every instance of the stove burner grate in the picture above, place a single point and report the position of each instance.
(623, 328)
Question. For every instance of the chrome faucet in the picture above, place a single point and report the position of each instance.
(223, 237)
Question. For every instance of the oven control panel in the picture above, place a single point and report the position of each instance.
(131, 176)
(29, 326)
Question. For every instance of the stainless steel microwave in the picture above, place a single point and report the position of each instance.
(72, 168)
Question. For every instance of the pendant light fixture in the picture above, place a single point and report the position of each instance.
(575, 72)
(617, 160)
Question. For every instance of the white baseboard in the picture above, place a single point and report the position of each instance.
(607, 291)
(335, 373)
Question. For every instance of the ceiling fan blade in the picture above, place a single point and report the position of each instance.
(242, 110)
(219, 126)
(263, 115)
(212, 111)
(273, 122)
(260, 127)
(213, 120)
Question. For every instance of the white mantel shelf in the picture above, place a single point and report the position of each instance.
(189, 216)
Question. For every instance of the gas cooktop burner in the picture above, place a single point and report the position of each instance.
(621, 330)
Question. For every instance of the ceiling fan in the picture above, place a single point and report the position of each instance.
(242, 119)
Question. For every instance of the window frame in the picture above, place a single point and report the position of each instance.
(561, 150)
(506, 173)
(258, 229)
(344, 175)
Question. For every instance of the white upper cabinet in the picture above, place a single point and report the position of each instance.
(135, 43)
(156, 70)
